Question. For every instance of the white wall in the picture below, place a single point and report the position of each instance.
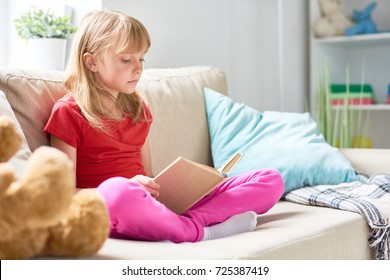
(3, 32)
(295, 47)
(260, 44)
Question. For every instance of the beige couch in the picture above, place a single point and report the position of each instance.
(175, 96)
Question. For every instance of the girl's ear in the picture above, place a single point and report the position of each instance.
(90, 62)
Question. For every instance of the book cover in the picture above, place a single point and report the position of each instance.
(184, 182)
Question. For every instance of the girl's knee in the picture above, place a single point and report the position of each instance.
(120, 193)
(277, 180)
(124, 199)
(273, 175)
(273, 179)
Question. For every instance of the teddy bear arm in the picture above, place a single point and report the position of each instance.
(7, 177)
(7, 210)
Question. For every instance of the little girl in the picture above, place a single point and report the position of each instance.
(102, 125)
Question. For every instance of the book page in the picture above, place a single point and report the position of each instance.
(230, 164)
(184, 182)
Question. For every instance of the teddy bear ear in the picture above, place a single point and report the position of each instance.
(10, 138)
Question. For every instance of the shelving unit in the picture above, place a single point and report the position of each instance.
(368, 59)
(373, 107)
(357, 40)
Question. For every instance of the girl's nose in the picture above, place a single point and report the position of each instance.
(138, 66)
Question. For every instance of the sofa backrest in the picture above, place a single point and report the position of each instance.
(175, 97)
(31, 95)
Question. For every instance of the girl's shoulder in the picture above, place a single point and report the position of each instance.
(67, 106)
(67, 101)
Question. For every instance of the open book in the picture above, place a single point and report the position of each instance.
(184, 182)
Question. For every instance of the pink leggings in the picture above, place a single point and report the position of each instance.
(135, 214)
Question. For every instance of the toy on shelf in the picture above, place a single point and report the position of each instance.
(388, 93)
(363, 22)
(333, 21)
(357, 94)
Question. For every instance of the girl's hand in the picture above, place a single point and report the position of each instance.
(148, 183)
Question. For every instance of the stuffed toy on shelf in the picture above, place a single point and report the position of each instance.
(363, 22)
(333, 21)
(40, 213)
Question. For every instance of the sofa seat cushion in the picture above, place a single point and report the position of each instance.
(287, 231)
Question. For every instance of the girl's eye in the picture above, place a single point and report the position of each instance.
(128, 60)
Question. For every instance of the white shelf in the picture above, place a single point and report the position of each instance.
(357, 40)
(373, 107)
(349, 59)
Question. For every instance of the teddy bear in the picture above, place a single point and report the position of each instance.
(41, 214)
(333, 21)
(363, 22)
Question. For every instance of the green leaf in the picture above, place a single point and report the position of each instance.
(37, 23)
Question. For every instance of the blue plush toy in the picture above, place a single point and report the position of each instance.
(363, 22)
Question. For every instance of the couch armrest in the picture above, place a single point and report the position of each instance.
(369, 161)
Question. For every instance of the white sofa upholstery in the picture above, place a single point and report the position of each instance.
(175, 97)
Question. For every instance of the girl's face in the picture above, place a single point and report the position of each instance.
(119, 72)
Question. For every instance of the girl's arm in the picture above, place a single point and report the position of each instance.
(147, 181)
(57, 143)
(146, 161)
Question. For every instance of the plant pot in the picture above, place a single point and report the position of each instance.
(46, 53)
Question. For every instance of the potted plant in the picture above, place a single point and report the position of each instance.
(46, 36)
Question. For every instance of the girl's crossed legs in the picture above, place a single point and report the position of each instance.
(135, 214)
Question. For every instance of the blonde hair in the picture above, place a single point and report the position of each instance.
(98, 32)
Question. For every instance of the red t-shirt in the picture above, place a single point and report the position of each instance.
(99, 156)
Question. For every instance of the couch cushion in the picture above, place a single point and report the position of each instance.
(294, 231)
(368, 161)
(288, 231)
(31, 95)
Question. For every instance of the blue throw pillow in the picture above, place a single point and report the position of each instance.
(288, 142)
